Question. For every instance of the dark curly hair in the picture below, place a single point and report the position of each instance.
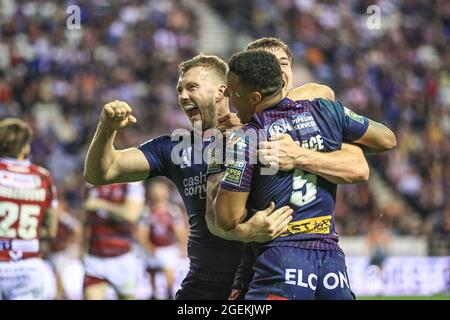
(258, 70)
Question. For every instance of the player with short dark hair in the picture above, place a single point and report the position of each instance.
(300, 263)
(340, 169)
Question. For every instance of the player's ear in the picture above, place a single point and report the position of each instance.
(255, 97)
(221, 93)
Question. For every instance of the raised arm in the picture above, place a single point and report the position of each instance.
(128, 211)
(378, 138)
(104, 164)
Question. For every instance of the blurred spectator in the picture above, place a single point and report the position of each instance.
(163, 233)
(57, 79)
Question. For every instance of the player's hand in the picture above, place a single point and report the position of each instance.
(116, 115)
(229, 122)
(268, 224)
(280, 152)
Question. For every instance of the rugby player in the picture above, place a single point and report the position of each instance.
(300, 263)
(27, 214)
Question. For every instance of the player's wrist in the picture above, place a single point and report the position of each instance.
(105, 128)
(243, 232)
(303, 159)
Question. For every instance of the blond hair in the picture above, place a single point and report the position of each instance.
(219, 66)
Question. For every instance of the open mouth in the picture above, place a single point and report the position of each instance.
(192, 111)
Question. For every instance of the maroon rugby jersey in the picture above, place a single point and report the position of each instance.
(65, 235)
(26, 192)
(162, 222)
(111, 237)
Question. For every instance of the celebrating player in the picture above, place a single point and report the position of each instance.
(300, 263)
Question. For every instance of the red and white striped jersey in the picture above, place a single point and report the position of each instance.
(26, 192)
(162, 222)
(111, 237)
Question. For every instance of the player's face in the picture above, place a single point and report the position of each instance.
(239, 97)
(159, 192)
(196, 95)
(286, 66)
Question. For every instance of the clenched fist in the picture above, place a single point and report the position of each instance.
(116, 115)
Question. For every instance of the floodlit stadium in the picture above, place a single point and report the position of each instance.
(88, 78)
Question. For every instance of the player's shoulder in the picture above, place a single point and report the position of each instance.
(158, 139)
(310, 91)
(169, 139)
(333, 106)
(34, 168)
(251, 126)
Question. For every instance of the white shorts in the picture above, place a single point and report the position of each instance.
(71, 272)
(121, 272)
(168, 256)
(23, 279)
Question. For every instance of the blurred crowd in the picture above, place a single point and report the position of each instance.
(58, 79)
(398, 74)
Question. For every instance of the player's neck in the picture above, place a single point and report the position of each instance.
(270, 101)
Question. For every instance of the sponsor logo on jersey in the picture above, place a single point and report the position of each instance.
(320, 225)
(186, 157)
(23, 194)
(279, 127)
(313, 143)
(304, 123)
(235, 172)
(352, 115)
(195, 185)
(332, 280)
(213, 162)
(19, 180)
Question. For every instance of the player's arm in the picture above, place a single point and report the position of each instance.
(311, 91)
(104, 164)
(50, 224)
(129, 211)
(263, 226)
(143, 236)
(347, 165)
(378, 138)
(229, 207)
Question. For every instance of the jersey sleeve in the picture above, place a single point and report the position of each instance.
(353, 126)
(215, 152)
(157, 151)
(240, 161)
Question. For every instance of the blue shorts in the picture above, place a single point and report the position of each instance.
(212, 287)
(300, 274)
